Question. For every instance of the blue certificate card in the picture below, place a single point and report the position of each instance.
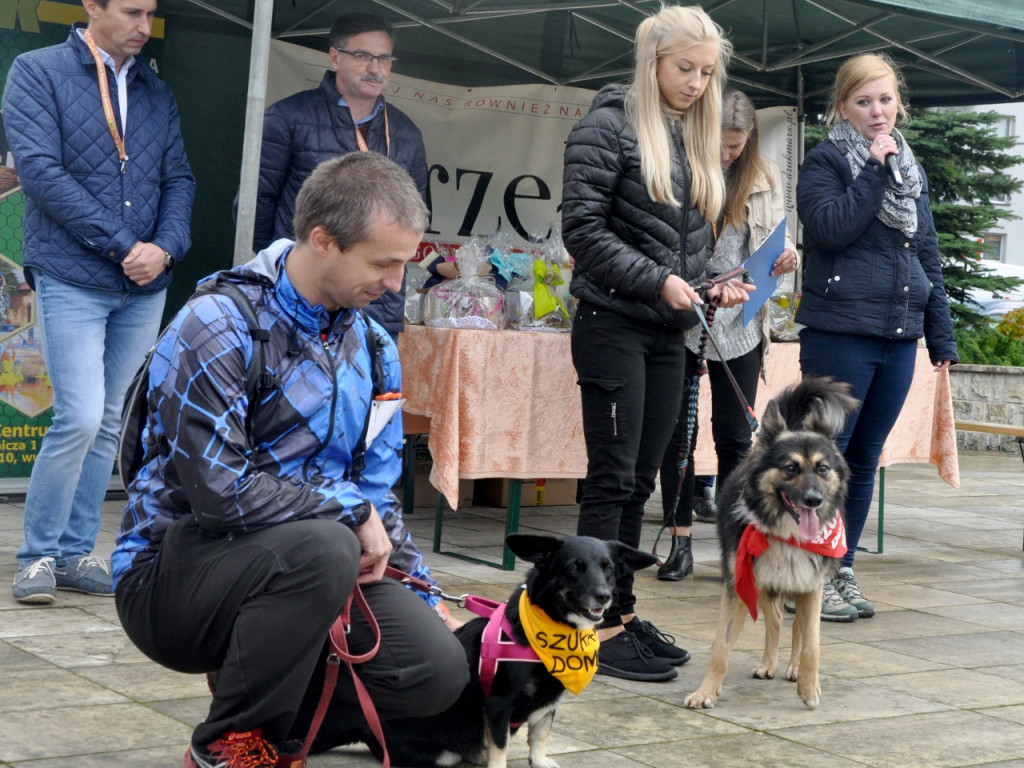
(759, 265)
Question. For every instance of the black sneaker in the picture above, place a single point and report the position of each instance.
(663, 646)
(626, 657)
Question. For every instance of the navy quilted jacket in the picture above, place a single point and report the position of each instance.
(861, 276)
(82, 215)
(303, 130)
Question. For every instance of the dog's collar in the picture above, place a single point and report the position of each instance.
(753, 543)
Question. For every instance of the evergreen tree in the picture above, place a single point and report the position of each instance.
(966, 163)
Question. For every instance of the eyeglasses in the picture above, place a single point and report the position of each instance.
(364, 58)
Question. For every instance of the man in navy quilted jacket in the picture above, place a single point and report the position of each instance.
(108, 188)
(346, 113)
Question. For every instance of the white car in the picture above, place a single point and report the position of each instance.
(996, 304)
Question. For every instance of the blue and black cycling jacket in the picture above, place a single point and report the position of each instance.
(295, 459)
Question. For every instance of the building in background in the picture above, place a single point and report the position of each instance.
(1006, 240)
(1005, 254)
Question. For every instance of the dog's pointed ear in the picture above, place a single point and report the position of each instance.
(817, 404)
(773, 423)
(629, 559)
(832, 403)
(531, 547)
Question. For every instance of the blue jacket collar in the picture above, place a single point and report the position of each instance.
(268, 267)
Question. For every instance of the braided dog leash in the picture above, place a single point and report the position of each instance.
(693, 392)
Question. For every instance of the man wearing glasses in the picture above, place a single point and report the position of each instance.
(347, 113)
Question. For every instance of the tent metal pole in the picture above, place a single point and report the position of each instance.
(263, 16)
(801, 124)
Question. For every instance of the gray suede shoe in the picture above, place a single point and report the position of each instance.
(847, 588)
(87, 573)
(35, 583)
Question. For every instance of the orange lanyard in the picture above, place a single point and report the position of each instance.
(108, 109)
(387, 136)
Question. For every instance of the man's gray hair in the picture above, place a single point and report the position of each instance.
(346, 194)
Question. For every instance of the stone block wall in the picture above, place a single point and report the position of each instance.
(992, 393)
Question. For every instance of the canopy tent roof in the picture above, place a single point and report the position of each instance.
(952, 52)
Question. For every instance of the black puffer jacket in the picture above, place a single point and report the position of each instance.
(626, 245)
(861, 276)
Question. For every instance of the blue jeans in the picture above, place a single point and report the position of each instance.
(93, 342)
(879, 372)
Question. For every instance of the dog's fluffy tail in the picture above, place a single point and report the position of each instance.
(813, 404)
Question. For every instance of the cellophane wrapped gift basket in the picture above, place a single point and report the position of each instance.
(541, 299)
(489, 283)
(470, 299)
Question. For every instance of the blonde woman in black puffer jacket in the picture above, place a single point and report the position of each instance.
(641, 180)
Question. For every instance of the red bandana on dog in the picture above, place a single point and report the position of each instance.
(831, 542)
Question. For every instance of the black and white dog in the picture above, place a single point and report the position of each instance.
(571, 583)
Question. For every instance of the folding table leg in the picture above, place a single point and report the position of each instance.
(409, 474)
(1020, 444)
(508, 559)
(515, 499)
(881, 513)
(881, 507)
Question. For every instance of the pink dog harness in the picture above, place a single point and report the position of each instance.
(498, 643)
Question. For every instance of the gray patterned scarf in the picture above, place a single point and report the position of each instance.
(899, 206)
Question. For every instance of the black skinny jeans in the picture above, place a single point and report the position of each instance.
(631, 380)
(255, 608)
(729, 428)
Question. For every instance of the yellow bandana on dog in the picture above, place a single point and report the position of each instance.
(568, 654)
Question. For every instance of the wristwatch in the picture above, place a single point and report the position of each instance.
(168, 260)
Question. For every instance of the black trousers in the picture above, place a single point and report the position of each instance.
(631, 380)
(729, 428)
(256, 608)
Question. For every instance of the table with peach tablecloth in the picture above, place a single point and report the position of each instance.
(506, 404)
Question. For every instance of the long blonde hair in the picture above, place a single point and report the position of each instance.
(856, 72)
(673, 29)
(738, 114)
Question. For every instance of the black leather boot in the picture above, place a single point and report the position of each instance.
(679, 562)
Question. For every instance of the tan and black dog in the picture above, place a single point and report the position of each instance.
(781, 533)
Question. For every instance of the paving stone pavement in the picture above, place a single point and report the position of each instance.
(935, 679)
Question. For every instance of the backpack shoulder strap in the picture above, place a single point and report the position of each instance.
(256, 375)
(132, 453)
(375, 348)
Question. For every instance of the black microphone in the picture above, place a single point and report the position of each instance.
(892, 165)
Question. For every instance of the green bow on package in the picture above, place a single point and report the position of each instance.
(546, 276)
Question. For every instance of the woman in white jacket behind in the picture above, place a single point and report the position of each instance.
(753, 208)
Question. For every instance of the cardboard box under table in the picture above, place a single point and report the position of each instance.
(541, 492)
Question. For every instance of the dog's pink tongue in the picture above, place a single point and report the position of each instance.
(808, 525)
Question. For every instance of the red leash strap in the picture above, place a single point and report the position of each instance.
(340, 653)
(406, 580)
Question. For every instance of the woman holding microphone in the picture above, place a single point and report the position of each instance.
(872, 282)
